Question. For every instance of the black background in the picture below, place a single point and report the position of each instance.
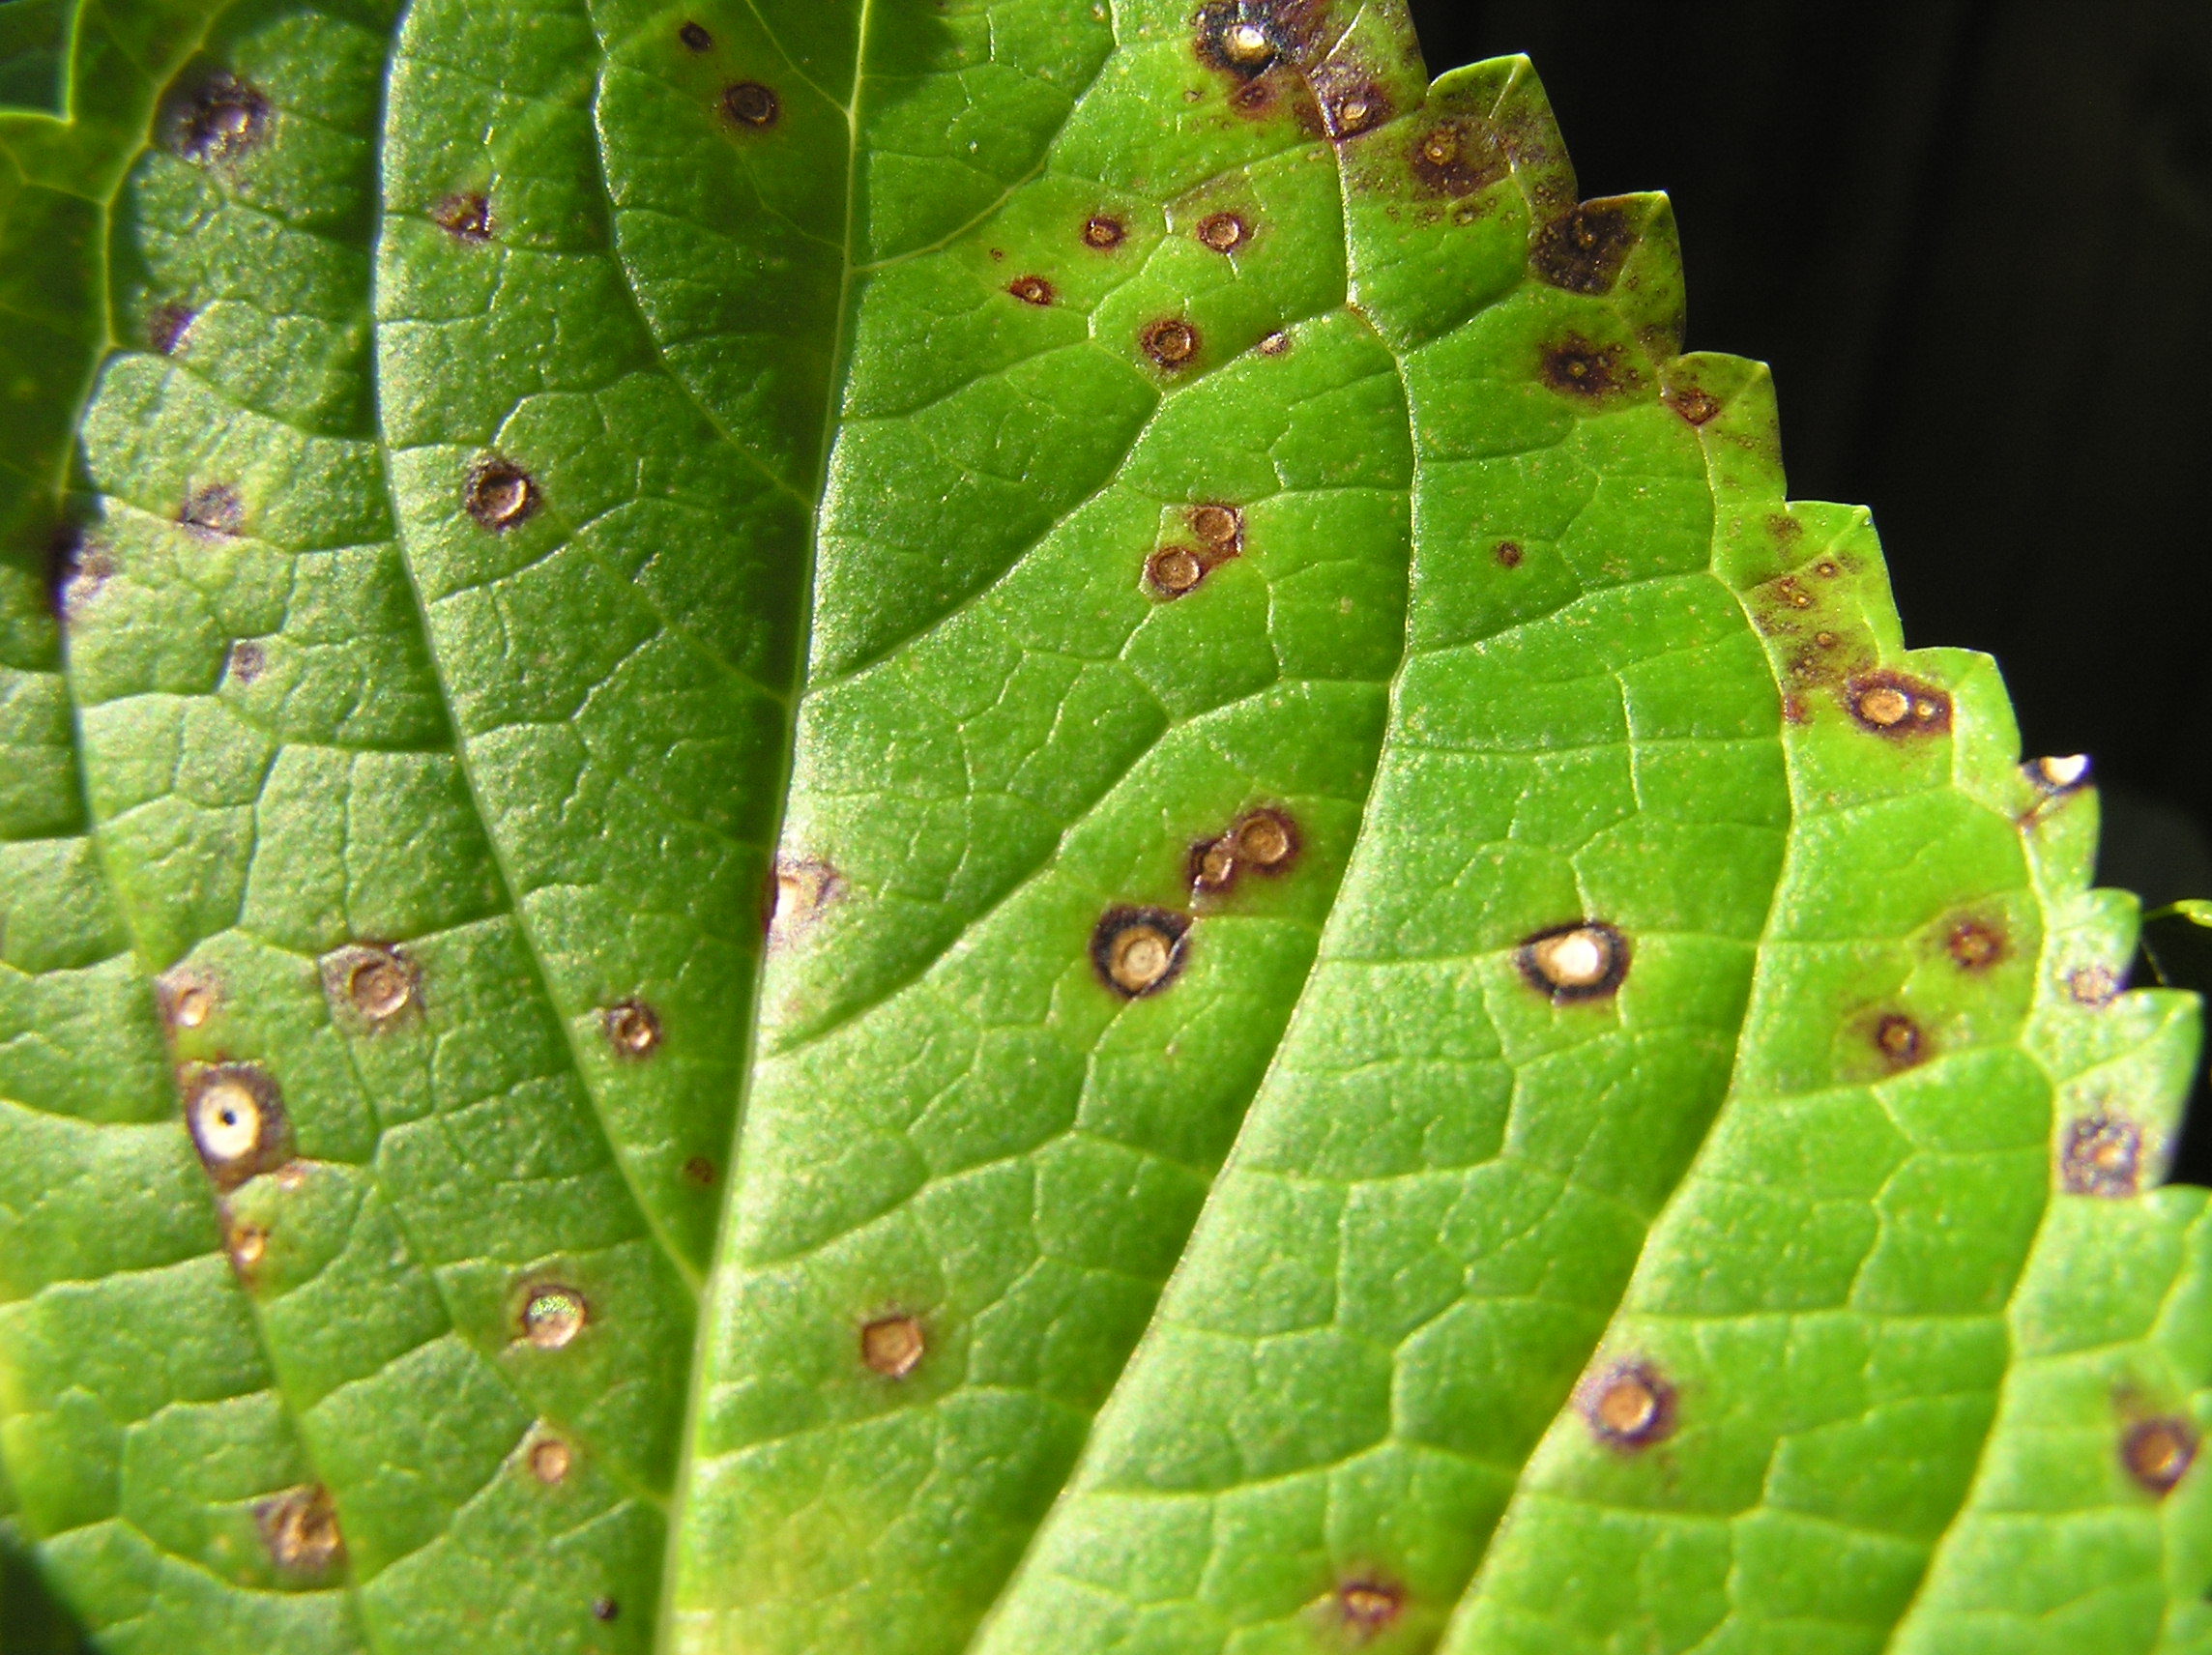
(1973, 238)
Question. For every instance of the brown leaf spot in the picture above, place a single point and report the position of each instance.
(1138, 951)
(244, 662)
(1274, 344)
(750, 105)
(237, 1121)
(498, 493)
(1265, 841)
(1366, 1607)
(1892, 705)
(632, 1028)
(892, 1345)
(1103, 231)
(1223, 232)
(247, 1245)
(1627, 1405)
(380, 983)
(1234, 38)
(1172, 342)
(1793, 710)
(1255, 99)
(1898, 1038)
(1575, 367)
(1696, 406)
(604, 1609)
(2157, 1453)
(804, 888)
(213, 512)
(1457, 157)
(2092, 986)
(549, 1460)
(695, 37)
(166, 326)
(1220, 529)
(1582, 250)
(76, 573)
(700, 1171)
(1172, 570)
(188, 997)
(1974, 945)
(1508, 554)
(1585, 959)
(2101, 1156)
(465, 217)
(1030, 290)
(552, 1315)
(299, 1530)
(225, 119)
(1350, 104)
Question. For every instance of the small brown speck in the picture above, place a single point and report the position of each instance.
(1974, 945)
(166, 326)
(1793, 710)
(552, 1315)
(1223, 232)
(2157, 1453)
(465, 217)
(695, 39)
(224, 120)
(1103, 232)
(299, 1529)
(549, 1460)
(1627, 1405)
(2101, 1156)
(1827, 568)
(749, 103)
(247, 1244)
(1172, 570)
(604, 1609)
(1367, 1607)
(244, 662)
(1508, 554)
(213, 512)
(1030, 290)
(892, 1345)
(700, 1171)
(632, 1028)
(1139, 951)
(498, 493)
(2092, 986)
(1585, 960)
(1172, 342)
(1898, 1038)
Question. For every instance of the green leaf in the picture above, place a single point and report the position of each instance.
(1393, 1015)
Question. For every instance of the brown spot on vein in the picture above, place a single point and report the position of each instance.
(1139, 951)
(1582, 250)
(166, 326)
(465, 217)
(1627, 1405)
(1350, 104)
(892, 1345)
(299, 1530)
(1893, 705)
(2101, 1156)
(803, 886)
(1030, 290)
(750, 105)
(2157, 1453)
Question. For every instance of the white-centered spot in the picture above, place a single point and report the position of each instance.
(1573, 959)
(226, 1121)
(1246, 44)
(2071, 771)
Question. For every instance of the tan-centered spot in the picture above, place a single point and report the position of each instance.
(1575, 962)
(553, 1316)
(892, 1345)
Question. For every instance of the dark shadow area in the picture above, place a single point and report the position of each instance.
(1973, 238)
(31, 1621)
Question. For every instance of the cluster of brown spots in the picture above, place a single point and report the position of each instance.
(1696, 405)
(244, 661)
(1172, 342)
(1223, 232)
(1175, 569)
(695, 37)
(299, 1530)
(1890, 704)
(1264, 841)
(237, 1122)
(466, 216)
(750, 105)
(2059, 775)
(1138, 951)
(549, 1460)
(892, 1345)
(1255, 98)
(2092, 986)
(1366, 1607)
(1103, 231)
(1898, 1038)
(700, 1171)
(1030, 290)
(2157, 1453)
(222, 121)
(213, 512)
(498, 493)
(2101, 1155)
(1508, 554)
(188, 997)
(1585, 959)
(1576, 367)
(1974, 945)
(1582, 250)
(1457, 157)
(552, 1315)
(802, 888)
(1790, 594)
(1627, 1405)
(632, 1028)
(166, 326)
